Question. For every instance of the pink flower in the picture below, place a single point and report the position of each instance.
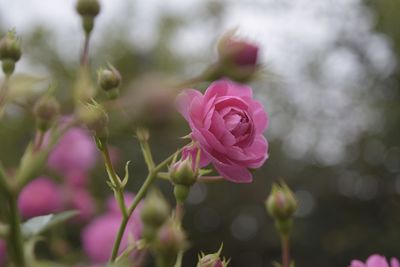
(239, 52)
(227, 125)
(375, 261)
(80, 200)
(3, 253)
(76, 178)
(98, 237)
(40, 197)
(75, 151)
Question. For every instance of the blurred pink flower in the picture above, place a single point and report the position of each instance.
(80, 200)
(3, 253)
(238, 51)
(98, 237)
(40, 197)
(227, 124)
(76, 178)
(75, 151)
(375, 261)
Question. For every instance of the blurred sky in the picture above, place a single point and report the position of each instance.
(316, 112)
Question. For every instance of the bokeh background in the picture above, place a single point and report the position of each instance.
(330, 84)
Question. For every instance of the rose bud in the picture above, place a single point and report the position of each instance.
(95, 118)
(109, 80)
(88, 9)
(183, 174)
(170, 240)
(237, 57)
(281, 203)
(40, 197)
(212, 260)
(10, 52)
(154, 213)
(46, 110)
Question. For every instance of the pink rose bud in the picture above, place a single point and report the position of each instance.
(281, 203)
(375, 261)
(74, 152)
(212, 260)
(3, 253)
(170, 240)
(77, 179)
(227, 124)
(184, 172)
(237, 51)
(40, 197)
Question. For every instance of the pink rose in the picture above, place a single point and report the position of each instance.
(375, 261)
(227, 125)
(74, 152)
(40, 197)
(99, 235)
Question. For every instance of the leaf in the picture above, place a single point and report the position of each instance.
(205, 171)
(37, 225)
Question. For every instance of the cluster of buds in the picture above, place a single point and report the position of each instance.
(155, 212)
(212, 260)
(95, 118)
(237, 58)
(281, 205)
(170, 240)
(88, 9)
(46, 111)
(109, 79)
(184, 174)
(10, 52)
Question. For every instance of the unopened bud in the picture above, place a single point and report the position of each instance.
(10, 52)
(46, 110)
(142, 134)
(281, 203)
(212, 260)
(183, 172)
(237, 58)
(95, 118)
(170, 241)
(109, 79)
(88, 9)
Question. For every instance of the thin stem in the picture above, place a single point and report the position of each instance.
(118, 188)
(15, 243)
(38, 140)
(3, 93)
(179, 212)
(179, 259)
(144, 145)
(4, 187)
(85, 52)
(285, 250)
(139, 196)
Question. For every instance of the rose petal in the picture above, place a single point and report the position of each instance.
(356, 263)
(184, 101)
(376, 261)
(394, 263)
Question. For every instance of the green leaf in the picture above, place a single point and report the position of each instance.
(205, 171)
(37, 225)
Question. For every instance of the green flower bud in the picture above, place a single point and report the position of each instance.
(46, 110)
(183, 172)
(155, 211)
(109, 79)
(170, 240)
(281, 203)
(10, 52)
(95, 118)
(88, 7)
(212, 260)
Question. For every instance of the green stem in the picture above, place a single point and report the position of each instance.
(139, 196)
(3, 94)
(85, 52)
(4, 187)
(179, 259)
(15, 242)
(144, 145)
(285, 250)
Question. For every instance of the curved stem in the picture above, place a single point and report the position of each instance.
(139, 196)
(3, 94)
